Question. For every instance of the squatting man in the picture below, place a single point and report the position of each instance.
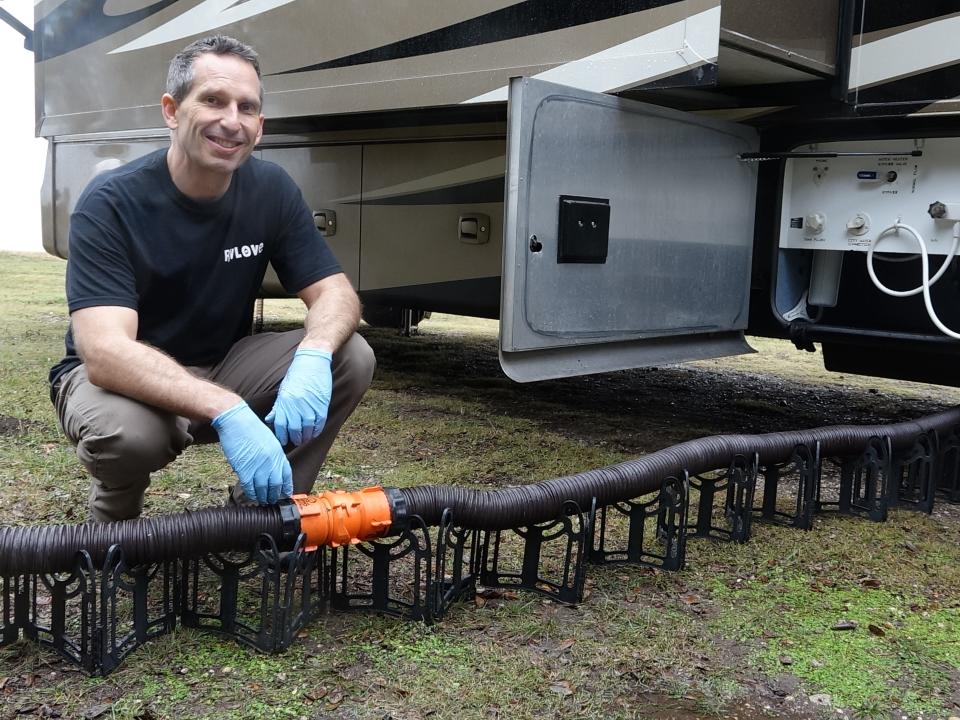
(167, 254)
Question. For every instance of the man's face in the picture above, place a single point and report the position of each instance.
(218, 123)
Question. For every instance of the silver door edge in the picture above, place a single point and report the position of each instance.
(550, 364)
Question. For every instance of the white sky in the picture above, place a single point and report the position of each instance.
(21, 172)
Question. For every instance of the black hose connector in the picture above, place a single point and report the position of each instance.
(399, 511)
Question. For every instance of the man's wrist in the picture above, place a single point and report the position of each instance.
(218, 421)
(322, 344)
(220, 403)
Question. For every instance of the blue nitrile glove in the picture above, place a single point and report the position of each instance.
(300, 411)
(254, 454)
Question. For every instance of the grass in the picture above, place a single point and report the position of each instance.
(744, 629)
(903, 653)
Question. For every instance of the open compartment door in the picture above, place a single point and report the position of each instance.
(628, 231)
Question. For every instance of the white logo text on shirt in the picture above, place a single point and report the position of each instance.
(244, 251)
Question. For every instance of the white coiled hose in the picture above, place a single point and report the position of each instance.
(926, 282)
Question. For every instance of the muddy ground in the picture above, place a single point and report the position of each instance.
(732, 395)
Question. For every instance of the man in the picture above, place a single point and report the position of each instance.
(167, 254)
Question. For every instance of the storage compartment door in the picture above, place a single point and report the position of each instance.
(627, 234)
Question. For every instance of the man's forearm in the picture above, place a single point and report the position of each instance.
(144, 373)
(333, 317)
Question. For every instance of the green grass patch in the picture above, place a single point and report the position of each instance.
(902, 653)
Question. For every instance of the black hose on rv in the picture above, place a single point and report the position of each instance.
(337, 518)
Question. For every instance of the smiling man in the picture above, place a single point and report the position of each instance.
(167, 254)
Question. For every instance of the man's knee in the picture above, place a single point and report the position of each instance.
(133, 448)
(355, 364)
(121, 459)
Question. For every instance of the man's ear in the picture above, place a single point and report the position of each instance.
(168, 106)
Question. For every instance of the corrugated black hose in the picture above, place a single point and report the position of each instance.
(54, 548)
(542, 501)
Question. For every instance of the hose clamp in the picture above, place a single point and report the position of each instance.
(399, 512)
(289, 523)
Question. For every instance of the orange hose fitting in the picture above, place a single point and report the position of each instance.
(337, 517)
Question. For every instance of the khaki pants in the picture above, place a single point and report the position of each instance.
(121, 441)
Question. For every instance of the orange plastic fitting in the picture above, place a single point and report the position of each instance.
(337, 517)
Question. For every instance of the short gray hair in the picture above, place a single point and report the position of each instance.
(181, 72)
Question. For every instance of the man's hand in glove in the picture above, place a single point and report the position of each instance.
(300, 411)
(254, 454)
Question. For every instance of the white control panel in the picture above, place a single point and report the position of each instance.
(843, 202)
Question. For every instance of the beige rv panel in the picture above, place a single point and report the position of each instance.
(326, 176)
(410, 230)
(70, 167)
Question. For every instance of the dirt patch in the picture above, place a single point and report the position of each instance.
(637, 411)
(12, 426)
(652, 706)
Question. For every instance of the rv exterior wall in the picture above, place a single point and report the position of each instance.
(99, 73)
(415, 193)
(329, 178)
(71, 166)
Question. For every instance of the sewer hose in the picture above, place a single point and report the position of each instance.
(335, 517)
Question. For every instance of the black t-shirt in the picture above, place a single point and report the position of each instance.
(191, 270)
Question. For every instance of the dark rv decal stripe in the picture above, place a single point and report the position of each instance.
(894, 13)
(936, 84)
(481, 191)
(76, 23)
(530, 17)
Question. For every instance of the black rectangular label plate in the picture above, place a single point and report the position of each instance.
(583, 229)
